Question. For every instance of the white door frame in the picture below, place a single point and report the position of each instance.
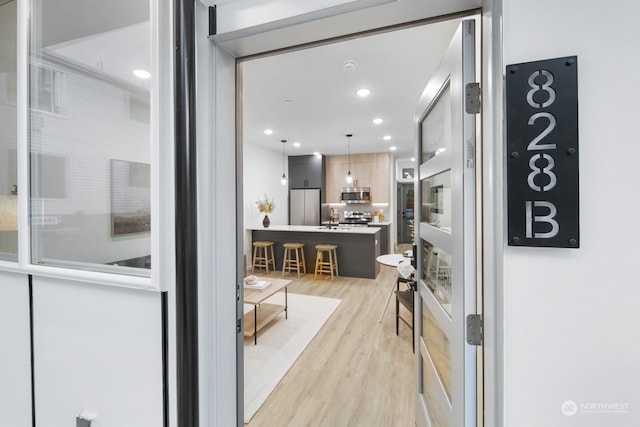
(220, 202)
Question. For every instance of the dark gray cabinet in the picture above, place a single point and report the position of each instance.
(384, 237)
(357, 252)
(306, 171)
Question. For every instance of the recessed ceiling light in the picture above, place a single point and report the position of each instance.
(413, 159)
(363, 93)
(377, 121)
(386, 137)
(142, 74)
(288, 101)
(268, 132)
(296, 144)
(441, 150)
(393, 148)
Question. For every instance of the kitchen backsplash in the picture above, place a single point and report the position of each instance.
(383, 213)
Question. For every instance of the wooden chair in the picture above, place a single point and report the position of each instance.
(406, 298)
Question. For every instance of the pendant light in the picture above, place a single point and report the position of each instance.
(283, 180)
(349, 176)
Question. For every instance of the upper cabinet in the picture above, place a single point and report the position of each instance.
(306, 171)
(370, 170)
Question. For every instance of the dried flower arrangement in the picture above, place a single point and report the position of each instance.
(265, 205)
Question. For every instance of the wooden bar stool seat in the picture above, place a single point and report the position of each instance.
(263, 255)
(329, 265)
(293, 259)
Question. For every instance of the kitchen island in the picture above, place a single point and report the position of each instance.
(357, 250)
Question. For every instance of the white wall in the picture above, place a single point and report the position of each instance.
(569, 314)
(15, 353)
(97, 348)
(262, 173)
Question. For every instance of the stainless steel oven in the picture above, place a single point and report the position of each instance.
(355, 218)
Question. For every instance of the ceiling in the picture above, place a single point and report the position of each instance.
(305, 96)
(59, 21)
(308, 96)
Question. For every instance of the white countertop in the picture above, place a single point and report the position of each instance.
(319, 229)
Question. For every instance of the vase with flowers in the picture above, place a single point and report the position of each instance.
(265, 206)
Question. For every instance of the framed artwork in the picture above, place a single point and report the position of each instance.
(130, 197)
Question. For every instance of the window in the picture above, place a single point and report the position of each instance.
(8, 129)
(50, 85)
(90, 152)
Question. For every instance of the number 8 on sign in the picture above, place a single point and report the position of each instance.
(545, 87)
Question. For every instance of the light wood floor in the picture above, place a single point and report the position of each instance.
(356, 371)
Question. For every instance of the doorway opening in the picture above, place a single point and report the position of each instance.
(297, 95)
(404, 213)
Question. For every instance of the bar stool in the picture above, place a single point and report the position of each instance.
(262, 257)
(326, 266)
(293, 258)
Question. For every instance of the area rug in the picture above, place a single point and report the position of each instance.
(280, 344)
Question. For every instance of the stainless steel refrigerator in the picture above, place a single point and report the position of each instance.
(304, 206)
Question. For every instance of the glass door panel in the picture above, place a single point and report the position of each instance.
(436, 200)
(431, 386)
(436, 273)
(446, 228)
(436, 128)
(90, 136)
(8, 133)
(438, 348)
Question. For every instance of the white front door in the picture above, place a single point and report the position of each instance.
(446, 240)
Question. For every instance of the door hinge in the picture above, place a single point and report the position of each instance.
(474, 329)
(473, 103)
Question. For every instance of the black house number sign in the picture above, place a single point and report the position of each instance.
(542, 153)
